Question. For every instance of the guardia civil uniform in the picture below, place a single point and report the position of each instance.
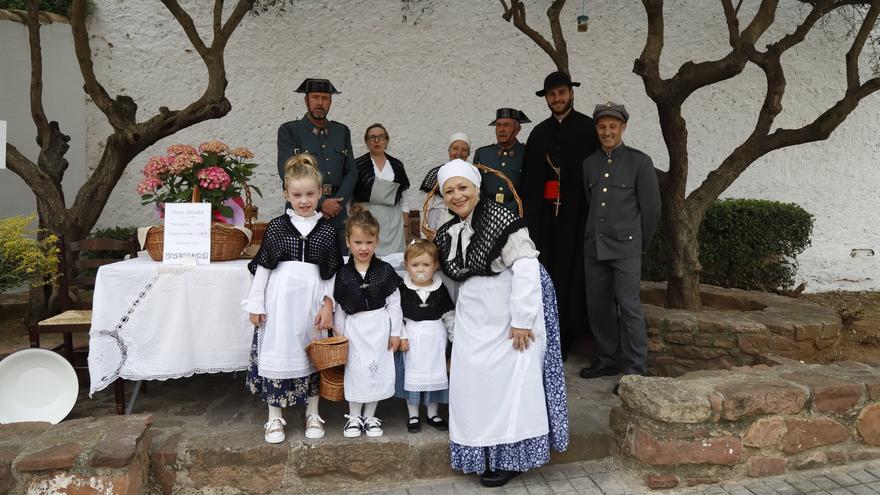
(508, 161)
(624, 209)
(330, 145)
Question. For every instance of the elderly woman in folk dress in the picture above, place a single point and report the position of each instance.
(380, 185)
(507, 404)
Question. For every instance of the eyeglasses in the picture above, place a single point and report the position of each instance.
(376, 139)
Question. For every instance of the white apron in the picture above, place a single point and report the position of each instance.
(388, 214)
(369, 373)
(294, 296)
(496, 394)
(425, 362)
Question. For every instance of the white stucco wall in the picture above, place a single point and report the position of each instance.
(462, 61)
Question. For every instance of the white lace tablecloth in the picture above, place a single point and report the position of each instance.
(153, 322)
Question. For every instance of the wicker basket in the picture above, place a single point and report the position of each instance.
(258, 229)
(328, 352)
(226, 242)
(429, 232)
(332, 384)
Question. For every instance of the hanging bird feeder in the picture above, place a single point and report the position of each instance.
(583, 19)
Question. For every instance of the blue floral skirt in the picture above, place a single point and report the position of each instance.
(415, 398)
(531, 452)
(280, 392)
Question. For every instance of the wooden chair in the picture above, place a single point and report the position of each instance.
(78, 272)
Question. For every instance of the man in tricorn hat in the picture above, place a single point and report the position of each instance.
(505, 156)
(624, 209)
(330, 143)
(553, 198)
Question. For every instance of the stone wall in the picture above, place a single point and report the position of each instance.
(707, 426)
(736, 328)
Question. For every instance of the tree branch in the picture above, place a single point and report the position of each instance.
(855, 51)
(36, 179)
(218, 18)
(120, 115)
(730, 13)
(648, 64)
(36, 90)
(188, 26)
(558, 52)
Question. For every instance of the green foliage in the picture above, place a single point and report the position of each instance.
(118, 233)
(24, 259)
(60, 7)
(744, 243)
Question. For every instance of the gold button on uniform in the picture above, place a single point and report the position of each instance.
(609, 161)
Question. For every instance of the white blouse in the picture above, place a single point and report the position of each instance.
(256, 299)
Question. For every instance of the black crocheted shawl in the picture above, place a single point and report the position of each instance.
(354, 293)
(430, 180)
(437, 304)
(492, 224)
(366, 176)
(283, 242)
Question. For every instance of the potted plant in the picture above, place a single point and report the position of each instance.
(212, 173)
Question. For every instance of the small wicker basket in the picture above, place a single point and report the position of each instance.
(332, 384)
(329, 352)
(227, 242)
(258, 229)
(429, 232)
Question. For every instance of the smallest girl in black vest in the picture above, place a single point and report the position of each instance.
(428, 317)
(368, 313)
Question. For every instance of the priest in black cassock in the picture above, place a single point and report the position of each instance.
(554, 201)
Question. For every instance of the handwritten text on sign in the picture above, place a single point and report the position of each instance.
(187, 233)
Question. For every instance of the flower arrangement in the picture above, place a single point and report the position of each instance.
(24, 259)
(213, 173)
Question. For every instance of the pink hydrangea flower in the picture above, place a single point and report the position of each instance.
(182, 163)
(182, 149)
(242, 153)
(155, 166)
(215, 146)
(149, 185)
(214, 178)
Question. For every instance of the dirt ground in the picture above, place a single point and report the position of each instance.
(860, 312)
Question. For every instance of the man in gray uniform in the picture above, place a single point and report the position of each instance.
(505, 156)
(624, 209)
(330, 143)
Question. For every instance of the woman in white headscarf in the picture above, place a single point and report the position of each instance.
(459, 147)
(507, 404)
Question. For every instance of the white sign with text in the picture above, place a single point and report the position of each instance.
(2, 144)
(187, 234)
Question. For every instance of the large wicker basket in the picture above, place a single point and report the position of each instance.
(227, 242)
(429, 232)
(332, 384)
(329, 352)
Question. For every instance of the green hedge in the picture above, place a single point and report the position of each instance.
(744, 243)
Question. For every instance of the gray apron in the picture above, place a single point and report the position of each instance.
(388, 214)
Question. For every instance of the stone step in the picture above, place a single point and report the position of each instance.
(207, 435)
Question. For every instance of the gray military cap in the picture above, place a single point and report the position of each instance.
(611, 109)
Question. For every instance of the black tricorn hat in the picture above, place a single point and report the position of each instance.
(312, 85)
(554, 79)
(510, 113)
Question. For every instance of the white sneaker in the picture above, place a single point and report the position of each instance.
(314, 426)
(353, 426)
(373, 427)
(275, 430)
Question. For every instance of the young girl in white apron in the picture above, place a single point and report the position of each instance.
(368, 313)
(428, 318)
(380, 185)
(507, 404)
(291, 301)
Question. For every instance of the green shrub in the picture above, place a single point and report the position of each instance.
(744, 243)
(118, 233)
(24, 259)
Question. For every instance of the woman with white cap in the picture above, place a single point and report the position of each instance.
(459, 147)
(507, 404)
